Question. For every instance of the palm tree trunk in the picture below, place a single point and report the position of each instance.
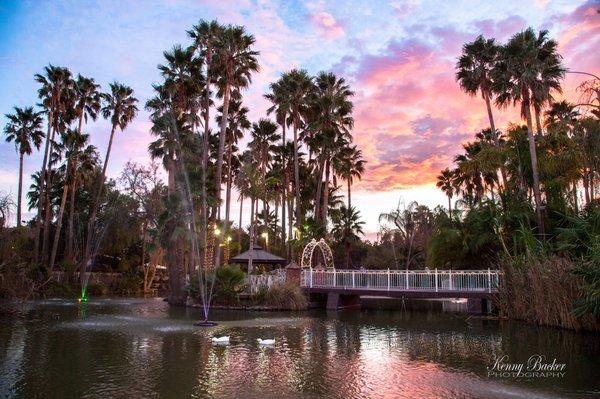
(63, 203)
(219, 168)
(534, 167)
(71, 227)
(449, 205)
(488, 105)
(48, 209)
(326, 193)
(349, 181)
(205, 150)
(240, 224)
(228, 185)
(319, 190)
(538, 123)
(297, 171)
(284, 190)
(38, 219)
(20, 189)
(251, 239)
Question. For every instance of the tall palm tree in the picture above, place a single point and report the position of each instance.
(206, 35)
(238, 123)
(264, 136)
(73, 143)
(55, 86)
(24, 128)
(528, 71)
(87, 105)
(120, 106)
(330, 120)
(346, 228)
(474, 68)
(350, 164)
(281, 107)
(298, 86)
(235, 63)
(474, 74)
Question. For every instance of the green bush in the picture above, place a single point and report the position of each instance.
(229, 284)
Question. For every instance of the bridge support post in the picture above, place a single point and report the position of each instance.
(479, 306)
(337, 301)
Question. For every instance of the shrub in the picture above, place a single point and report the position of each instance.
(229, 284)
(286, 297)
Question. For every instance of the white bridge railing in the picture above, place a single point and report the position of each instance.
(402, 280)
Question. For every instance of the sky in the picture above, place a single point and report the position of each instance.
(398, 57)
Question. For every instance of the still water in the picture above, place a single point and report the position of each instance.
(137, 348)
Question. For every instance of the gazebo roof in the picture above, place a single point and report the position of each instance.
(259, 256)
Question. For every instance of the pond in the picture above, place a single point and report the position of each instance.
(142, 348)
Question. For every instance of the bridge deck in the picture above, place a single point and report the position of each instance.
(408, 284)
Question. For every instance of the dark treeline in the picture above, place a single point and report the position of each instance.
(299, 160)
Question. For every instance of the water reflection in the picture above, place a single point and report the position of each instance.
(143, 348)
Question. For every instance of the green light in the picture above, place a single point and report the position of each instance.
(84, 297)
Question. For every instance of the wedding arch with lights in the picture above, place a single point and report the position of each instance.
(307, 254)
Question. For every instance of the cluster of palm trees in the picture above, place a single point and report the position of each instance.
(203, 88)
(547, 162)
(69, 163)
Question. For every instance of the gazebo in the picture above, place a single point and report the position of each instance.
(259, 257)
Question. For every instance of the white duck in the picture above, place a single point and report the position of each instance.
(265, 341)
(221, 340)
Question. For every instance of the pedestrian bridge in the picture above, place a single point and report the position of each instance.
(344, 287)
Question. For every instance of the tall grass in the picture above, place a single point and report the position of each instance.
(286, 297)
(544, 290)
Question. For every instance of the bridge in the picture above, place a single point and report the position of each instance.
(345, 287)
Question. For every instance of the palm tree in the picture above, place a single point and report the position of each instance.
(561, 113)
(73, 143)
(528, 70)
(474, 70)
(24, 128)
(55, 86)
(236, 61)
(445, 182)
(474, 74)
(328, 131)
(87, 105)
(298, 85)
(120, 107)
(205, 36)
(350, 164)
(237, 124)
(346, 227)
(281, 107)
(264, 135)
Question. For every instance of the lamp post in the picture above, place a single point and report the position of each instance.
(265, 235)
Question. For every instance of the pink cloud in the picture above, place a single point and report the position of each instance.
(327, 25)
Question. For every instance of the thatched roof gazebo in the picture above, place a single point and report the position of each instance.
(259, 257)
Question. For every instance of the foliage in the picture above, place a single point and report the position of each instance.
(286, 297)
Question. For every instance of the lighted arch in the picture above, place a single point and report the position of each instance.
(307, 254)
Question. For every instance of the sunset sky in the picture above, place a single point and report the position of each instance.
(398, 56)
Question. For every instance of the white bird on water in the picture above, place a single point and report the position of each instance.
(221, 340)
(265, 341)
